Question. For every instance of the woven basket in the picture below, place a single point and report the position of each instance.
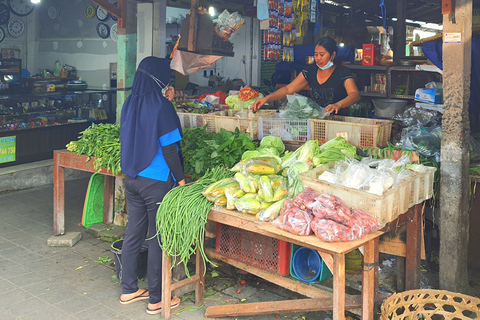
(430, 304)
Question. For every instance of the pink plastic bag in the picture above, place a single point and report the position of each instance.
(329, 207)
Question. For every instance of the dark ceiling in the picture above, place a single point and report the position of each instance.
(361, 10)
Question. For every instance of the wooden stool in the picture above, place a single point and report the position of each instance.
(168, 286)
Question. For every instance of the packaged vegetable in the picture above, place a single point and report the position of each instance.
(295, 185)
(272, 212)
(280, 193)
(247, 205)
(294, 220)
(245, 184)
(329, 207)
(219, 188)
(229, 195)
(305, 199)
(221, 201)
(266, 187)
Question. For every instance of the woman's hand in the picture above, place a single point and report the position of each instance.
(181, 183)
(259, 103)
(170, 93)
(333, 108)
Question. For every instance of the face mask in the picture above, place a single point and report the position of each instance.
(327, 66)
(162, 85)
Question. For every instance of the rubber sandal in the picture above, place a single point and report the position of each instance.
(142, 296)
(159, 310)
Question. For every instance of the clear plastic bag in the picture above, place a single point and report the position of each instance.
(301, 107)
(420, 140)
(294, 220)
(329, 207)
(419, 116)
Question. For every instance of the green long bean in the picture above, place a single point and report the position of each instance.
(182, 216)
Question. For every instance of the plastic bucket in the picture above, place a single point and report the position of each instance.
(307, 264)
(116, 248)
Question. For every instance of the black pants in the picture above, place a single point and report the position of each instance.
(143, 196)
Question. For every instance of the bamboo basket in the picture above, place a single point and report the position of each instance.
(430, 304)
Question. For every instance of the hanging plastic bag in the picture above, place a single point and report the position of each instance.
(188, 62)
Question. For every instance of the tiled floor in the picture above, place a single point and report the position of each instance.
(49, 283)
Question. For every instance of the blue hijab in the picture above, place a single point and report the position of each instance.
(146, 116)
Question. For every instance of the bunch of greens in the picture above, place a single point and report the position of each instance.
(301, 107)
(350, 151)
(101, 141)
(203, 150)
(182, 216)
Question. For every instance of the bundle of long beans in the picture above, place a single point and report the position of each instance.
(182, 217)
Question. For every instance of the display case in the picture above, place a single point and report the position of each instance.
(39, 123)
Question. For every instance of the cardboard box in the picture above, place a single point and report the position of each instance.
(429, 95)
(371, 55)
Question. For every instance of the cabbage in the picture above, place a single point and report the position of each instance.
(268, 151)
(305, 153)
(234, 102)
(250, 154)
(273, 142)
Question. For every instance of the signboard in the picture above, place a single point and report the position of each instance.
(7, 149)
(453, 38)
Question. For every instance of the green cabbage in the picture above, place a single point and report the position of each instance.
(234, 102)
(273, 142)
(250, 154)
(264, 151)
(305, 153)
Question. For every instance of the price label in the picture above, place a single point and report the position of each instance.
(344, 135)
(8, 149)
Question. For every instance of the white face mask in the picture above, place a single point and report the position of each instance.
(327, 66)
(157, 81)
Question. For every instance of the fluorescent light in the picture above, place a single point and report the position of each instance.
(35, 1)
(342, 44)
(211, 11)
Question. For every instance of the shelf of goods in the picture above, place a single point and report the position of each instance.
(386, 207)
(244, 120)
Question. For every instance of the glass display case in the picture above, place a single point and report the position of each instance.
(32, 125)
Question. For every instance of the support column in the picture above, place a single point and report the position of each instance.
(400, 31)
(454, 187)
(159, 35)
(126, 51)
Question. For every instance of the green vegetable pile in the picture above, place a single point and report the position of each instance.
(101, 141)
(182, 216)
(203, 150)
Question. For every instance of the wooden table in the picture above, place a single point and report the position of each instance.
(332, 253)
(65, 159)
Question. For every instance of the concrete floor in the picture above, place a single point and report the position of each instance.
(48, 283)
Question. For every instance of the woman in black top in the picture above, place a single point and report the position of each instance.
(331, 84)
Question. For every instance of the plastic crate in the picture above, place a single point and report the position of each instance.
(189, 120)
(360, 132)
(286, 129)
(325, 273)
(244, 120)
(422, 186)
(384, 208)
(254, 249)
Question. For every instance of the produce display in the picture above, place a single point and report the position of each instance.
(182, 217)
(202, 150)
(101, 141)
(374, 176)
(325, 215)
(254, 188)
(197, 107)
(245, 98)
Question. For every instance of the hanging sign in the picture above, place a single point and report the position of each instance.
(7, 149)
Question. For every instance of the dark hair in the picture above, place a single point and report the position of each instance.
(331, 46)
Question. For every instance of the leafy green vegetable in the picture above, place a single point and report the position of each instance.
(203, 150)
(305, 153)
(233, 101)
(268, 151)
(250, 154)
(327, 156)
(101, 141)
(341, 144)
(274, 142)
(295, 185)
